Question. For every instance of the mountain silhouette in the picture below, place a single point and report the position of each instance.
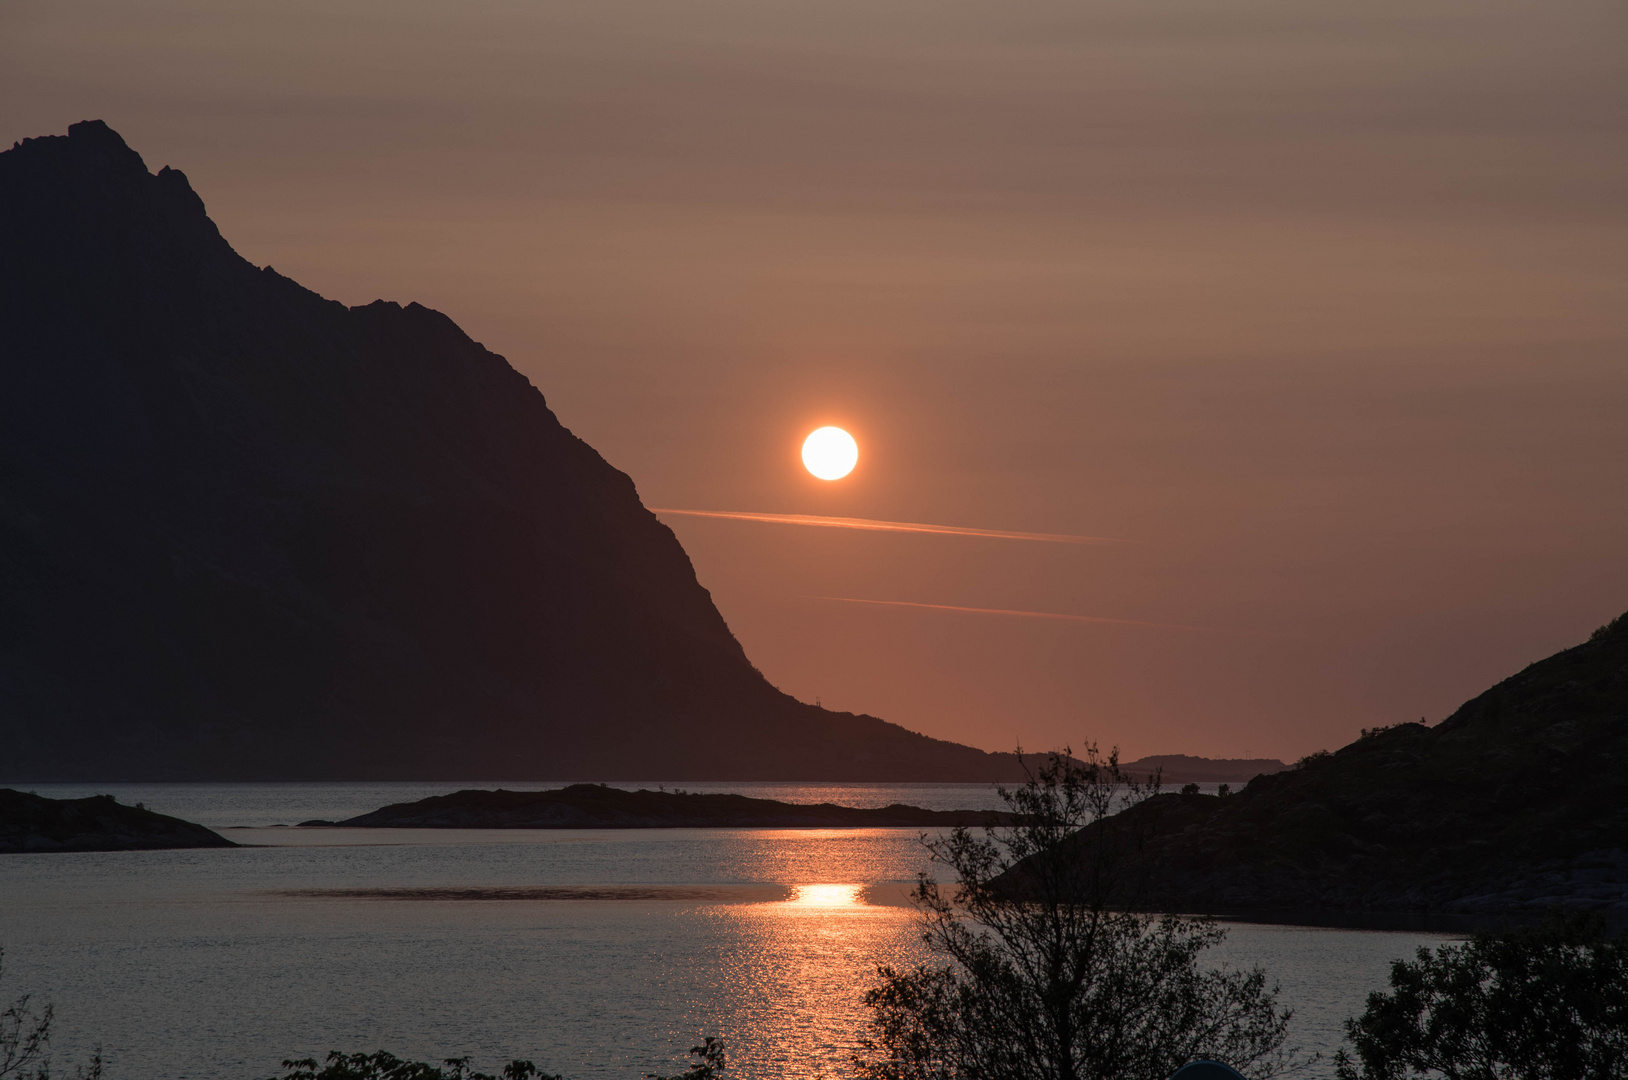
(249, 532)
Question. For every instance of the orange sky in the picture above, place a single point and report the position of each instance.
(1321, 306)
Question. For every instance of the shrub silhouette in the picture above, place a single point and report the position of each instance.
(1549, 1003)
(383, 1065)
(1043, 978)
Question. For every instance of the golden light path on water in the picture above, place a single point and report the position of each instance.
(825, 896)
(793, 985)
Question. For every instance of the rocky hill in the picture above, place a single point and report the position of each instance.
(1516, 802)
(247, 532)
(33, 823)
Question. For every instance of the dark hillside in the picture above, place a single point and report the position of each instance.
(1516, 802)
(247, 532)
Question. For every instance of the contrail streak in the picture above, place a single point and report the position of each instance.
(894, 526)
(1010, 612)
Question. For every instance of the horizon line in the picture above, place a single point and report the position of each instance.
(1013, 613)
(876, 525)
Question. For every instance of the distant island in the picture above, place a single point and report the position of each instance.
(33, 823)
(1516, 803)
(594, 806)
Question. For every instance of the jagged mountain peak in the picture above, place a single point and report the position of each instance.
(246, 531)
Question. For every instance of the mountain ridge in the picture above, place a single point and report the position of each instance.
(247, 532)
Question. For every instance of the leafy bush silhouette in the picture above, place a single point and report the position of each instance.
(1549, 1003)
(382, 1065)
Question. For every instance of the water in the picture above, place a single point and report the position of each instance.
(594, 953)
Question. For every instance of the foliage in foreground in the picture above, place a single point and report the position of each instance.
(382, 1065)
(1543, 1004)
(1042, 979)
(25, 1041)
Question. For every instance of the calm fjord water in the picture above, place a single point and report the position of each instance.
(594, 953)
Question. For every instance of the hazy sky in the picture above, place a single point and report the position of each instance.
(1322, 308)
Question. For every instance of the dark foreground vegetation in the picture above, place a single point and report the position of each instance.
(25, 1041)
(1543, 1003)
(1056, 982)
(595, 806)
(709, 1065)
(31, 823)
(383, 1065)
(1515, 803)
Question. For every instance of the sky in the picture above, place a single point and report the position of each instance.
(1312, 315)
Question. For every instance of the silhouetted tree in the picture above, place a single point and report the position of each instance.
(1041, 978)
(1549, 1003)
(25, 1041)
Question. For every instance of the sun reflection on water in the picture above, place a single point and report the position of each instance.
(788, 988)
(825, 896)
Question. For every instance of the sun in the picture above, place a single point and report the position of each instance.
(830, 453)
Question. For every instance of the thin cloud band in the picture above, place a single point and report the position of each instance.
(1014, 613)
(872, 525)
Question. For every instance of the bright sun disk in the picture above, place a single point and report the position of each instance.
(830, 453)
